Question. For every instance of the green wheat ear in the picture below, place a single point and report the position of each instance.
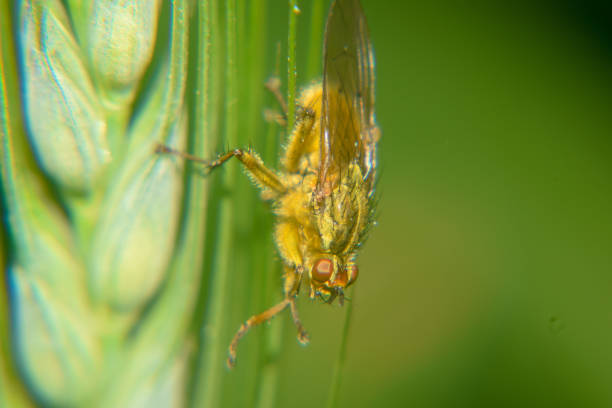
(123, 282)
(98, 303)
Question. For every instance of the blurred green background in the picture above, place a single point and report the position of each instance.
(488, 281)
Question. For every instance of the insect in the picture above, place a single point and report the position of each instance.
(323, 196)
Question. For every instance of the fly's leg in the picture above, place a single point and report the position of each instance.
(251, 322)
(293, 279)
(263, 177)
(263, 317)
(160, 148)
(273, 85)
(305, 135)
(302, 335)
(272, 115)
(292, 283)
(288, 242)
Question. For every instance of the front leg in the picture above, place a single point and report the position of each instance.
(251, 322)
(262, 176)
(292, 284)
(293, 279)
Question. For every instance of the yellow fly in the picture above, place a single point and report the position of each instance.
(323, 194)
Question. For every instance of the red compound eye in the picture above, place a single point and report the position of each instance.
(352, 272)
(322, 270)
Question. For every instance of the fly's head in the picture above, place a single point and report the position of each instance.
(330, 275)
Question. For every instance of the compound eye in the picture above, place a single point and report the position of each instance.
(322, 270)
(352, 272)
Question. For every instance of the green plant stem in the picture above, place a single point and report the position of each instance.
(264, 274)
(291, 63)
(336, 383)
(205, 122)
(313, 69)
(213, 341)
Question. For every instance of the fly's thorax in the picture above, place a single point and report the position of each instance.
(342, 214)
(294, 204)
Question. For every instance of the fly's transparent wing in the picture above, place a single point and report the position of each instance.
(348, 131)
